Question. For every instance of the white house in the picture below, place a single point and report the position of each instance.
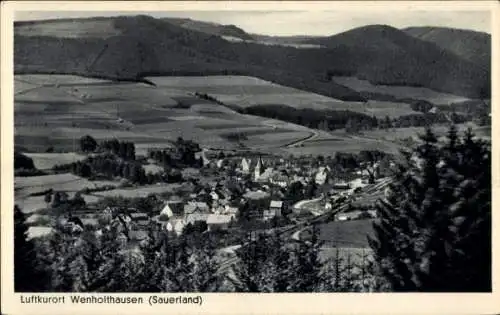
(321, 176)
(218, 221)
(194, 217)
(280, 180)
(274, 210)
(175, 226)
(196, 206)
(245, 166)
(232, 211)
(166, 212)
(220, 163)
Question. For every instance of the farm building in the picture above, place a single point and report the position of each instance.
(232, 211)
(322, 175)
(195, 217)
(218, 222)
(256, 195)
(139, 216)
(39, 231)
(196, 207)
(341, 186)
(166, 212)
(280, 180)
(176, 226)
(275, 208)
(433, 110)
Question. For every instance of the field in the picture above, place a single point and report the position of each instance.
(34, 203)
(247, 91)
(341, 143)
(61, 182)
(138, 192)
(432, 96)
(72, 29)
(45, 161)
(346, 233)
(52, 111)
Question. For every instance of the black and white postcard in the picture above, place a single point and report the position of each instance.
(286, 157)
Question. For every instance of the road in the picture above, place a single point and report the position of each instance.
(314, 134)
(300, 204)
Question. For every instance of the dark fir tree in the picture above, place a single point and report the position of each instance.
(434, 232)
(27, 273)
(88, 144)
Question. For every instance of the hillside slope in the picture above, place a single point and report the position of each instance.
(469, 45)
(210, 28)
(147, 46)
(384, 54)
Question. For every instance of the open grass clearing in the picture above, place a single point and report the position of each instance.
(152, 168)
(222, 80)
(330, 148)
(399, 91)
(34, 203)
(59, 182)
(71, 29)
(346, 233)
(138, 192)
(45, 161)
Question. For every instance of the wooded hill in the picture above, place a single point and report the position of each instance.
(137, 46)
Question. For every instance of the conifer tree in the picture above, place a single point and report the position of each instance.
(307, 265)
(436, 224)
(27, 273)
(252, 273)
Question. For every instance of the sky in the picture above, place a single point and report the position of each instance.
(288, 23)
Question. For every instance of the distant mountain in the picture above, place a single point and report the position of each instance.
(285, 39)
(210, 28)
(384, 54)
(136, 46)
(469, 45)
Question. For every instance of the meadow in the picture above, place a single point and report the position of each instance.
(138, 192)
(55, 112)
(25, 186)
(427, 94)
(346, 233)
(46, 161)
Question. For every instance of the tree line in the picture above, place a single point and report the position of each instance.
(122, 149)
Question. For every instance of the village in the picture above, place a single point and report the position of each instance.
(230, 194)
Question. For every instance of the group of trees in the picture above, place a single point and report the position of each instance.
(181, 156)
(351, 121)
(24, 166)
(22, 161)
(60, 199)
(122, 149)
(350, 161)
(66, 261)
(318, 119)
(434, 232)
(108, 166)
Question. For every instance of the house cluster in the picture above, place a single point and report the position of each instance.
(175, 215)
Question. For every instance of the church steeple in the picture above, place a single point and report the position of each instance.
(259, 168)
